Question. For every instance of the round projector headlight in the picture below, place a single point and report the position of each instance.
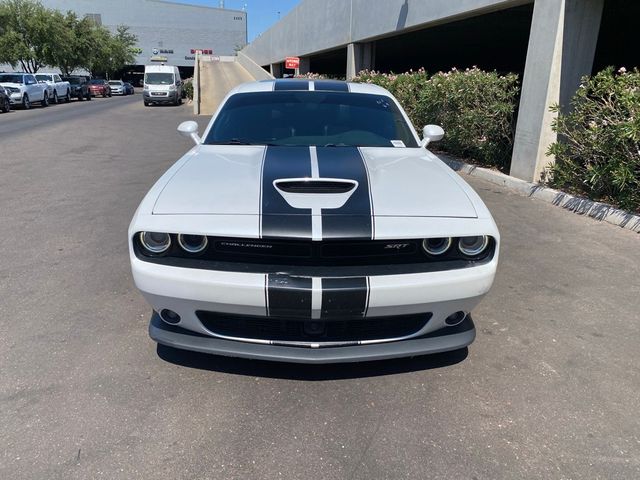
(155, 242)
(472, 246)
(193, 243)
(436, 246)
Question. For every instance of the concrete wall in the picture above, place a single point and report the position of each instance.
(167, 26)
(317, 25)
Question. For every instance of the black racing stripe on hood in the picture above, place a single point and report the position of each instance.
(344, 298)
(288, 297)
(287, 84)
(278, 219)
(354, 218)
(330, 86)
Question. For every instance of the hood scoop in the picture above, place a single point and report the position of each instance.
(324, 193)
(315, 185)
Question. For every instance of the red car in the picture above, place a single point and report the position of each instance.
(99, 87)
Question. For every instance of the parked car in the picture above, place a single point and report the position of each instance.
(57, 88)
(311, 224)
(117, 87)
(79, 87)
(5, 102)
(162, 84)
(129, 88)
(97, 86)
(24, 89)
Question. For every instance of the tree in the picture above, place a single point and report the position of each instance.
(29, 34)
(76, 47)
(113, 51)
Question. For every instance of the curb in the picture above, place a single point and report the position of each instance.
(580, 205)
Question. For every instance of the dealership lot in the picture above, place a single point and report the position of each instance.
(548, 390)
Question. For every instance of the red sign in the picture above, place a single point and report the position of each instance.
(200, 51)
(292, 63)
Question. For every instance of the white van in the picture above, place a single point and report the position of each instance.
(162, 84)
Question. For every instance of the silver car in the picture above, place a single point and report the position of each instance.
(117, 87)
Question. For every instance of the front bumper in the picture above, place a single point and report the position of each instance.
(15, 98)
(187, 291)
(170, 97)
(452, 338)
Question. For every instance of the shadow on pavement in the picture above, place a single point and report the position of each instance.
(304, 372)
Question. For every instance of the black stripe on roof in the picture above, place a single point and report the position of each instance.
(291, 84)
(330, 86)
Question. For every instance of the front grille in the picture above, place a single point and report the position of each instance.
(314, 258)
(348, 331)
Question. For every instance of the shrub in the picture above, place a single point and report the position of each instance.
(187, 88)
(475, 108)
(598, 151)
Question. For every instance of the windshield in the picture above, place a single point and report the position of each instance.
(116, 83)
(43, 78)
(73, 81)
(97, 82)
(158, 78)
(311, 118)
(9, 78)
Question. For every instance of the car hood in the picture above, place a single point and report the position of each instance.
(336, 181)
(11, 84)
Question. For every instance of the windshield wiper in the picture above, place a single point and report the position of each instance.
(239, 141)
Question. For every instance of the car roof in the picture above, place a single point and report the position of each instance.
(304, 84)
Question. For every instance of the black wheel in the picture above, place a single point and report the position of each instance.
(45, 100)
(146, 104)
(80, 97)
(109, 93)
(55, 98)
(89, 97)
(67, 99)
(26, 103)
(7, 106)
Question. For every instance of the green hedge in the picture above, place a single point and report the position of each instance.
(187, 88)
(598, 152)
(475, 108)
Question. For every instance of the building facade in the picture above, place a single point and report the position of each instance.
(167, 32)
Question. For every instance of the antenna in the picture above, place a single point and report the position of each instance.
(221, 3)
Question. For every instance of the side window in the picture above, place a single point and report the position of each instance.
(29, 80)
(56, 78)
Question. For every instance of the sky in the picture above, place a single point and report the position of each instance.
(261, 13)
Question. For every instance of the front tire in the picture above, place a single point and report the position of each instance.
(55, 100)
(45, 100)
(7, 106)
(67, 99)
(26, 104)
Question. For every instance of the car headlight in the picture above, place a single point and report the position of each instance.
(473, 246)
(172, 88)
(436, 246)
(155, 242)
(192, 243)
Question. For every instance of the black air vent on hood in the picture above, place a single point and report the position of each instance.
(315, 186)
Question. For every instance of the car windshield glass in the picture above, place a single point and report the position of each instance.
(9, 78)
(293, 118)
(73, 81)
(158, 78)
(43, 78)
(117, 83)
(97, 82)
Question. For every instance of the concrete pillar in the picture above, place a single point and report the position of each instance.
(305, 66)
(276, 70)
(360, 56)
(562, 45)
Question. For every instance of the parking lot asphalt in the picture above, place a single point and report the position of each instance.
(550, 388)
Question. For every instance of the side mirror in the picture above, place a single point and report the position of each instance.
(190, 129)
(431, 133)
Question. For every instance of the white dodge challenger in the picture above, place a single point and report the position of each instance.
(309, 223)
